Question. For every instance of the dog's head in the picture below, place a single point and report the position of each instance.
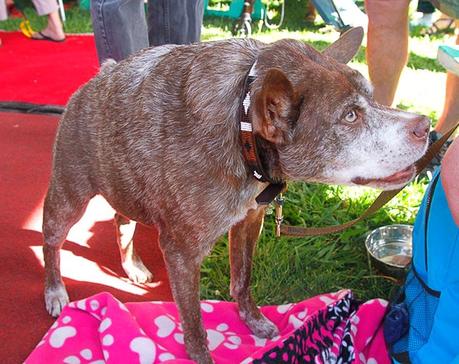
(324, 123)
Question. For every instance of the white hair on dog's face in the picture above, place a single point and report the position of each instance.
(379, 148)
(344, 137)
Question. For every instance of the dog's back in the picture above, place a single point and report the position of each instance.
(159, 124)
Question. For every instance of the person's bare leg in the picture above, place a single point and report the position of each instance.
(450, 115)
(311, 12)
(387, 45)
(450, 176)
(54, 29)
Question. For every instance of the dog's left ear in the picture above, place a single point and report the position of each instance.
(275, 108)
(346, 47)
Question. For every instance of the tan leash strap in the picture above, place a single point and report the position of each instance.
(381, 200)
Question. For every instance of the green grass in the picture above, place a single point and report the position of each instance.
(78, 21)
(288, 269)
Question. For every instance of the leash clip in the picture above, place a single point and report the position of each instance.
(279, 218)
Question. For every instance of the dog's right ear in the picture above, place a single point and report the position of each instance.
(347, 46)
(275, 108)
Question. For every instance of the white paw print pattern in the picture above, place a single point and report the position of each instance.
(247, 360)
(81, 304)
(259, 341)
(284, 308)
(94, 304)
(165, 355)
(145, 348)
(108, 340)
(207, 307)
(105, 324)
(94, 307)
(380, 301)
(297, 320)
(165, 324)
(340, 294)
(221, 335)
(179, 338)
(369, 340)
(327, 300)
(354, 323)
(367, 361)
(85, 356)
(123, 307)
(59, 336)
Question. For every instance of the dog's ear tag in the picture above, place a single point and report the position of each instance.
(346, 47)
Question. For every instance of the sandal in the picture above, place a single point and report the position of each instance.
(45, 37)
(440, 25)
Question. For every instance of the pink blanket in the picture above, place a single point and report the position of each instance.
(331, 328)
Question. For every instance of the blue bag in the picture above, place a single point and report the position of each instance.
(423, 326)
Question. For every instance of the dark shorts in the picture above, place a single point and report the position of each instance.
(449, 7)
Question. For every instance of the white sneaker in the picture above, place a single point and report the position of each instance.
(351, 14)
(422, 20)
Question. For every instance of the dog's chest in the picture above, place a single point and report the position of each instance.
(246, 201)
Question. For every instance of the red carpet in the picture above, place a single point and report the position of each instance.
(90, 259)
(42, 72)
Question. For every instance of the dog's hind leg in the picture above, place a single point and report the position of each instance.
(62, 209)
(242, 239)
(132, 264)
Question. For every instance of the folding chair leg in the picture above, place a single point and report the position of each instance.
(61, 10)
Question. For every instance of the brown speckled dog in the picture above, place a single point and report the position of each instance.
(158, 136)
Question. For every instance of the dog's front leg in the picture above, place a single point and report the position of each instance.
(183, 266)
(242, 238)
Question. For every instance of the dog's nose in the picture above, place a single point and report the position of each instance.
(421, 127)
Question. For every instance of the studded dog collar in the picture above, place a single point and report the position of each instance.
(249, 146)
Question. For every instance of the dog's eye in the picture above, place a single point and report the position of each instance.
(351, 116)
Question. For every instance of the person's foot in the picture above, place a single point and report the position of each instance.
(54, 31)
(441, 25)
(49, 34)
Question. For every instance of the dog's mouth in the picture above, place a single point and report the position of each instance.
(397, 178)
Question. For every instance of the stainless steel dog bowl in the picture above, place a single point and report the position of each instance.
(390, 249)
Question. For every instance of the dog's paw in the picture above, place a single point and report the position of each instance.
(55, 300)
(262, 327)
(137, 272)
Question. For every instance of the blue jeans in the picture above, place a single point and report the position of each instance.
(120, 27)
